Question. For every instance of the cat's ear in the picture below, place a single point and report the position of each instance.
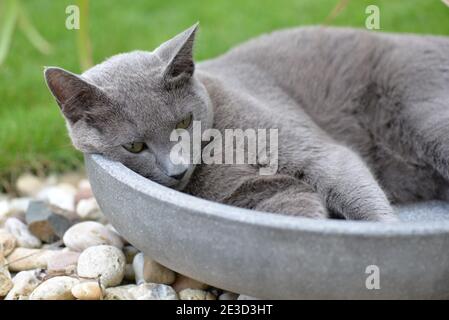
(73, 94)
(177, 55)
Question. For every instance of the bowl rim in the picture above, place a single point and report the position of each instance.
(223, 212)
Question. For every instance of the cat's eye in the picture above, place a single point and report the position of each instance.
(134, 147)
(184, 124)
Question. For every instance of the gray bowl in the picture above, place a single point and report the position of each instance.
(277, 257)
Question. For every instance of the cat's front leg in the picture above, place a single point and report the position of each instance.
(281, 194)
(347, 186)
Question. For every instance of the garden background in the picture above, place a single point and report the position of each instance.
(32, 132)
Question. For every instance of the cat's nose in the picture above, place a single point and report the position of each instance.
(178, 176)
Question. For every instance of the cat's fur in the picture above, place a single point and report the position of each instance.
(363, 117)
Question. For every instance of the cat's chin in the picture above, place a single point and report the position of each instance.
(185, 180)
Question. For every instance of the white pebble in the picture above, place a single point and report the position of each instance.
(61, 195)
(24, 283)
(119, 293)
(89, 290)
(84, 184)
(4, 208)
(145, 291)
(245, 297)
(89, 209)
(104, 262)
(63, 261)
(152, 291)
(22, 259)
(51, 180)
(90, 233)
(7, 242)
(57, 288)
(19, 204)
(5, 278)
(71, 178)
(28, 185)
(20, 231)
(195, 294)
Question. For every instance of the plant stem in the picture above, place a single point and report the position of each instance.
(31, 32)
(83, 39)
(7, 30)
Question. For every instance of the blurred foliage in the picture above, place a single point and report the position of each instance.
(15, 14)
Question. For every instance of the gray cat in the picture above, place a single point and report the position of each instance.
(362, 117)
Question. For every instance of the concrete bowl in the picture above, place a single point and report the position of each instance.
(277, 257)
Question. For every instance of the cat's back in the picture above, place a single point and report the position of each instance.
(313, 41)
(308, 52)
(293, 47)
(349, 82)
(323, 67)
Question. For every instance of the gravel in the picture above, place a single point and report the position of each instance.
(56, 244)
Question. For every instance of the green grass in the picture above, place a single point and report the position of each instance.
(32, 131)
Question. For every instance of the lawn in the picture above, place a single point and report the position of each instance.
(32, 131)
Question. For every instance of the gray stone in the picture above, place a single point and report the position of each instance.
(312, 259)
(45, 223)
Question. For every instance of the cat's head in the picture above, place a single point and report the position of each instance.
(126, 107)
